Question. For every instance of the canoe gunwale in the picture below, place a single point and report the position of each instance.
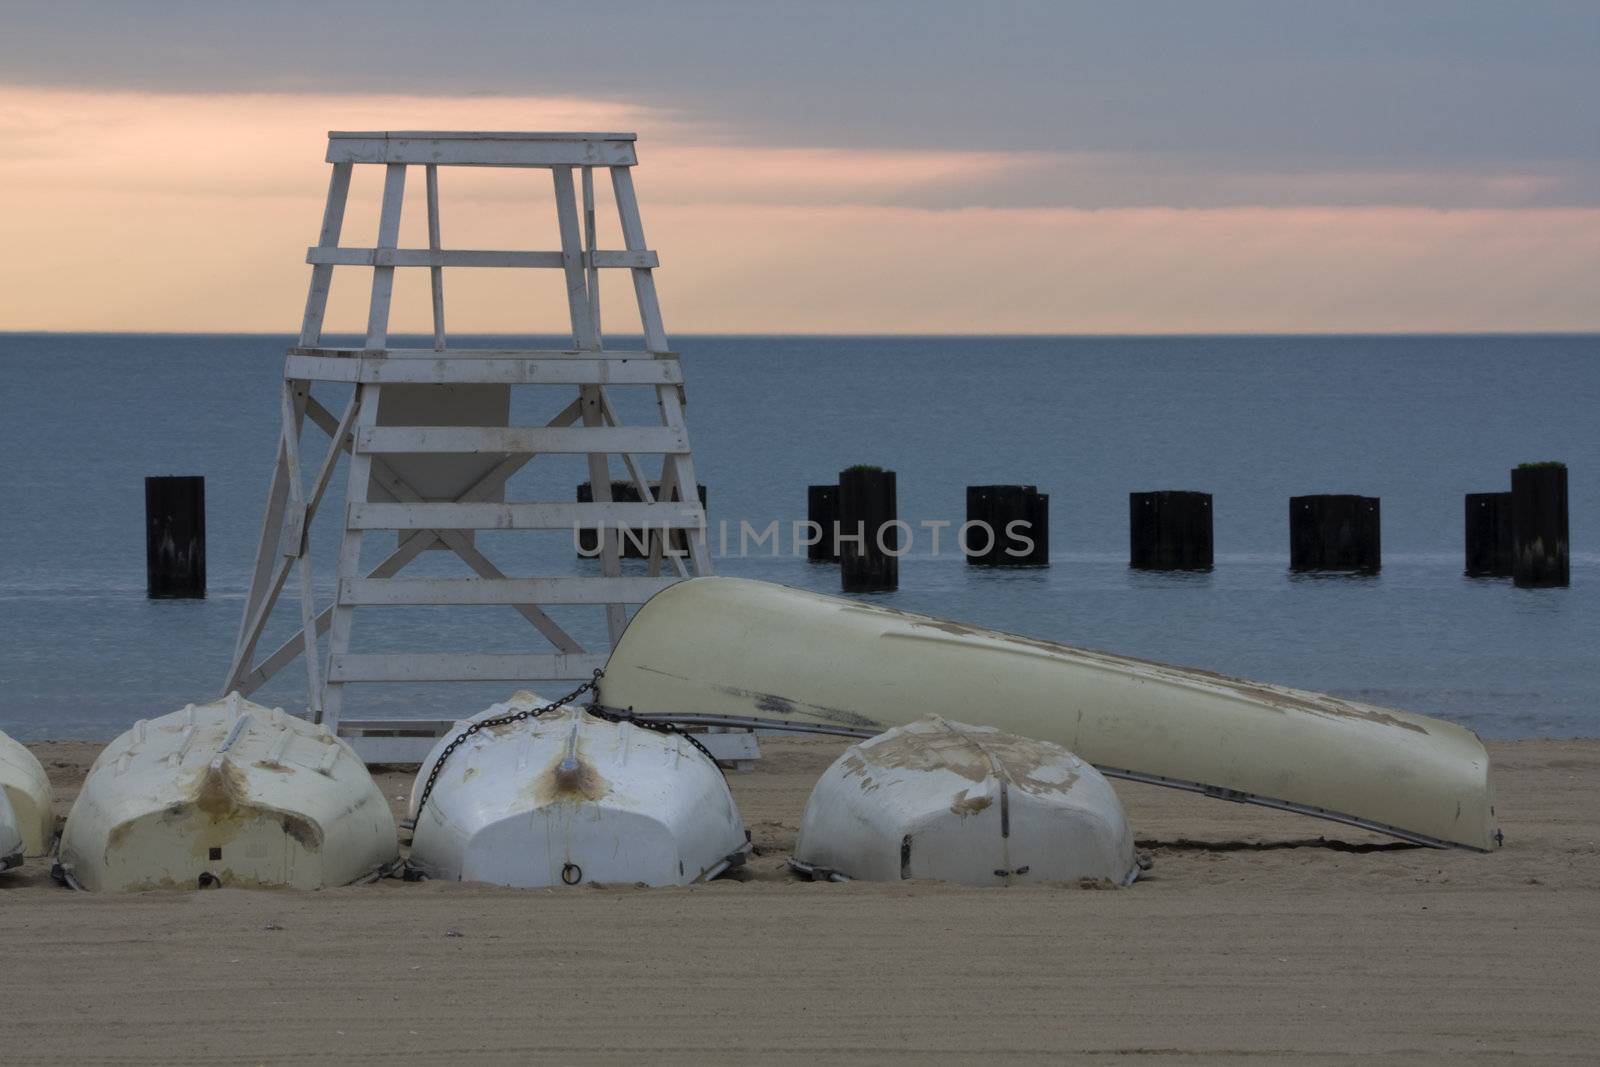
(1214, 791)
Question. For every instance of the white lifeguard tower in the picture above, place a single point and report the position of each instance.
(430, 442)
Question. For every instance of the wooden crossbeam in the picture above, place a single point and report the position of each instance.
(650, 440)
(459, 666)
(628, 589)
(385, 371)
(483, 149)
(466, 257)
(532, 516)
(482, 353)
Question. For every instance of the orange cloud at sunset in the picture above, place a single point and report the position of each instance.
(156, 212)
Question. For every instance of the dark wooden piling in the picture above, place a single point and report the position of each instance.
(1335, 533)
(175, 536)
(866, 507)
(994, 542)
(1169, 530)
(1488, 535)
(822, 508)
(635, 544)
(1539, 525)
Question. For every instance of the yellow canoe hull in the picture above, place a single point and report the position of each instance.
(729, 646)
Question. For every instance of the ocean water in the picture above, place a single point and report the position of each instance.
(1417, 421)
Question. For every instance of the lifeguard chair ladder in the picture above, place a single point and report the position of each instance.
(430, 444)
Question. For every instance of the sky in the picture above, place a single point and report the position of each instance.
(1233, 166)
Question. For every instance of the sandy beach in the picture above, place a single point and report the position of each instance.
(1256, 935)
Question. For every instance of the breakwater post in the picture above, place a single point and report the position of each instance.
(1539, 525)
(1488, 535)
(1169, 530)
(991, 538)
(1335, 532)
(822, 508)
(175, 537)
(866, 529)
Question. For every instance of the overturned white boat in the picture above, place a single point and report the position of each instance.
(969, 804)
(27, 787)
(228, 793)
(739, 648)
(566, 797)
(11, 850)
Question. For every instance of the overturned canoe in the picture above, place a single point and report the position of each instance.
(11, 850)
(227, 793)
(969, 804)
(568, 798)
(26, 785)
(735, 647)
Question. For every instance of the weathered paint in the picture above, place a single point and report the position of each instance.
(228, 793)
(568, 798)
(737, 647)
(969, 804)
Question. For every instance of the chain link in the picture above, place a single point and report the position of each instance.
(598, 711)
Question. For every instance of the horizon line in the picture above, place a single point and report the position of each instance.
(1593, 331)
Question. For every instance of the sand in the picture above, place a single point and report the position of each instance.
(1257, 935)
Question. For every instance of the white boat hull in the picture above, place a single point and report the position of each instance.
(568, 798)
(27, 787)
(734, 647)
(968, 804)
(229, 793)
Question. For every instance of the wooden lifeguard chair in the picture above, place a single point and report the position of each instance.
(431, 444)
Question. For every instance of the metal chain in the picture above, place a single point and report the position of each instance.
(483, 724)
(599, 711)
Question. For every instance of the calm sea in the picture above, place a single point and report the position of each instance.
(1417, 421)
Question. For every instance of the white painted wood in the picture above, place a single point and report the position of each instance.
(484, 371)
(386, 488)
(460, 667)
(460, 544)
(479, 135)
(564, 441)
(358, 478)
(294, 546)
(487, 151)
(437, 258)
(591, 240)
(259, 600)
(322, 276)
(628, 589)
(436, 282)
(394, 187)
(555, 515)
(483, 353)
